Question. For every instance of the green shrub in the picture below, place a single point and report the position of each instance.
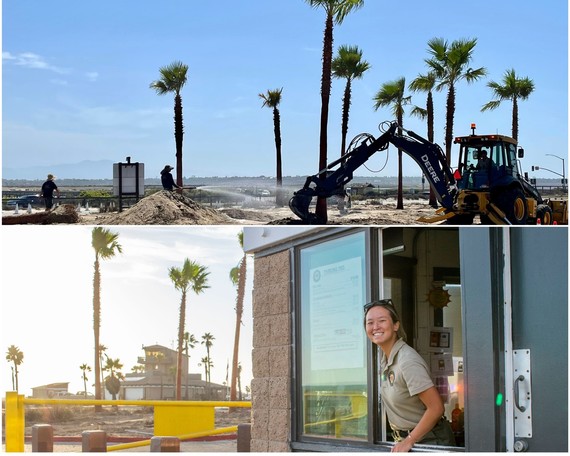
(94, 193)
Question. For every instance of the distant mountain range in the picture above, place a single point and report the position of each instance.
(100, 172)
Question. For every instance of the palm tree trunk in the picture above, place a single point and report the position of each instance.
(430, 121)
(515, 129)
(16, 375)
(180, 341)
(239, 313)
(450, 112)
(400, 202)
(178, 137)
(209, 364)
(239, 384)
(188, 361)
(345, 111)
(278, 171)
(321, 209)
(96, 327)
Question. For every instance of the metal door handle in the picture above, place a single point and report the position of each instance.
(519, 379)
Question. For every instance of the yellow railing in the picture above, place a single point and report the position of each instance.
(184, 419)
(359, 405)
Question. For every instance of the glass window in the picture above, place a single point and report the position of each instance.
(497, 154)
(333, 349)
(512, 151)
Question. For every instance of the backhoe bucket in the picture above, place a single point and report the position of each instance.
(299, 204)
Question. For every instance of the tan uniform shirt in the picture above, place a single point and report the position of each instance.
(404, 375)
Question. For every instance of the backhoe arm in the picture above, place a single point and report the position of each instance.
(428, 156)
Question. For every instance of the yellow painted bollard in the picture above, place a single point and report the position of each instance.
(15, 422)
(338, 428)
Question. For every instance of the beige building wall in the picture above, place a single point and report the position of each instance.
(272, 345)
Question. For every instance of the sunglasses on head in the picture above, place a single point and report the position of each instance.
(381, 303)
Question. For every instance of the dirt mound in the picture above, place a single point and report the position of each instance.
(245, 214)
(167, 208)
(65, 213)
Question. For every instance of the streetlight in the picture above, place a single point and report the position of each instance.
(538, 168)
(563, 173)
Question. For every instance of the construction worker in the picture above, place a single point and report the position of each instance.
(167, 179)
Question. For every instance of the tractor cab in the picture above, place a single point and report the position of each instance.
(487, 161)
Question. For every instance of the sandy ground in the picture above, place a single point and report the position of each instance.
(168, 208)
(130, 422)
(123, 421)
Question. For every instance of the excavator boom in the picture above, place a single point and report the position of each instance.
(427, 155)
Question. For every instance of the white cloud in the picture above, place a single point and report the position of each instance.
(33, 61)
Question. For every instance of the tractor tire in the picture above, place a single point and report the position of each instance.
(544, 214)
(461, 219)
(513, 203)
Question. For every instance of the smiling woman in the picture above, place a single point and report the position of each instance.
(413, 405)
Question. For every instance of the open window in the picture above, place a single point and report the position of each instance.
(337, 382)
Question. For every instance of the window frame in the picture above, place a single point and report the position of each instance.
(299, 440)
(374, 276)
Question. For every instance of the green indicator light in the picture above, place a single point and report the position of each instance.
(499, 400)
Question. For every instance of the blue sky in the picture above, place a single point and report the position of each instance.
(47, 312)
(76, 79)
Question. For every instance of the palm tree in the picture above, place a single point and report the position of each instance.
(207, 339)
(271, 99)
(172, 79)
(336, 11)
(239, 381)
(238, 276)
(513, 89)
(102, 355)
(348, 64)
(450, 62)
(105, 244)
(392, 94)
(138, 369)
(84, 369)
(206, 363)
(113, 380)
(189, 342)
(426, 83)
(191, 276)
(15, 356)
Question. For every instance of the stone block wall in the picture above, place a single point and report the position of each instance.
(271, 384)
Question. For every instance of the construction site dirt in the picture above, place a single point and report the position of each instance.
(120, 423)
(171, 208)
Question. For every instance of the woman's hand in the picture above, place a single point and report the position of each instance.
(404, 446)
(434, 411)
